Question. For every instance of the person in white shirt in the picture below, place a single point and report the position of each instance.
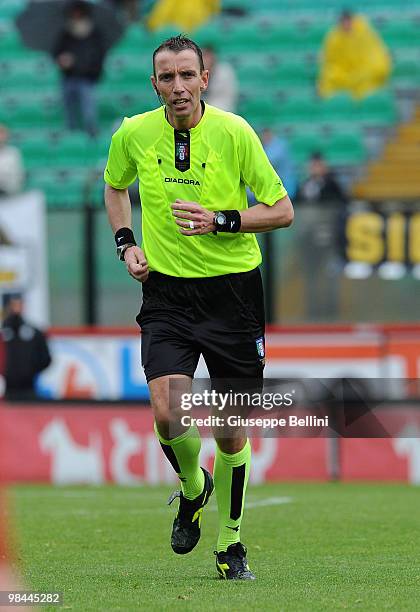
(223, 84)
(11, 166)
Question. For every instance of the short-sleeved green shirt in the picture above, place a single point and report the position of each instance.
(225, 156)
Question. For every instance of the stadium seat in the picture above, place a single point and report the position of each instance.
(303, 145)
(116, 102)
(211, 33)
(254, 74)
(245, 5)
(407, 71)
(260, 111)
(297, 110)
(28, 111)
(38, 151)
(337, 107)
(400, 33)
(302, 37)
(244, 35)
(133, 40)
(28, 76)
(289, 73)
(126, 61)
(345, 149)
(61, 189)
(74, 149)
(379, 108)
(341, 148)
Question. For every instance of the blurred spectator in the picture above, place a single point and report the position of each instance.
(80, 54)
(223, 84)
(354, 59)
(186, 16)
(26, 352)
(278, 153)
(4, 238)
(323, 237)
(11, 166)
(321, 184)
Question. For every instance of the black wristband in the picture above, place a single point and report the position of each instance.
(124, 236)
(227, 221)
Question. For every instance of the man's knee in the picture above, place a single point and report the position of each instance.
(165, 393)
(231, 446)
(161, 414)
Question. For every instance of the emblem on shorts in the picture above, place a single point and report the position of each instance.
(260, 347)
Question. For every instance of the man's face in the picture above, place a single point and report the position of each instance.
(317, 168)
(266, 136)
(179, 81)
(4, 136)
(346, 23)
(15, 306)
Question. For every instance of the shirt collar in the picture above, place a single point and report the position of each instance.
(194, 129)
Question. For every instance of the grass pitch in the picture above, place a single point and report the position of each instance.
(312, 547)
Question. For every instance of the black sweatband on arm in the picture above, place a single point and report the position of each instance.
(124, 236)
(227, 221)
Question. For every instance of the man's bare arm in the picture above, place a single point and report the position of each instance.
(118, 207)
(263, 218)
(258, 218)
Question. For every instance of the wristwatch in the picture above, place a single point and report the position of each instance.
(219, 221)
(122, 249)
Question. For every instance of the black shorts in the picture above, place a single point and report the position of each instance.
(220, 317)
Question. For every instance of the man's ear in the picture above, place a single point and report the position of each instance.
(154, 85)
(204, 80)
(159, 95)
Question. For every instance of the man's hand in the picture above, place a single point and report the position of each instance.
(65, 60)
(192, 218)
(136, 263)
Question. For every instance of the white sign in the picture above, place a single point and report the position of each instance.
(23, 223)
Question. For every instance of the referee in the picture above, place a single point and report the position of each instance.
(202, 290)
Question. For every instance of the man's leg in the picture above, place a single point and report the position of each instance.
(231, 474)
(180, 445)
(235, 360)
(88, 106)
(70, 102)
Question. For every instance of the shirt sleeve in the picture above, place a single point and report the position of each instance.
(256, 169)
(120, 170)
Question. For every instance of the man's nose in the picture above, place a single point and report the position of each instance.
(178, 84)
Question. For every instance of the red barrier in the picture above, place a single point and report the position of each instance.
(90, 444)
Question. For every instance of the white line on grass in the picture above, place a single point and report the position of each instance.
(139, 495)
(269, 501)
(212, 507)
(260, 503)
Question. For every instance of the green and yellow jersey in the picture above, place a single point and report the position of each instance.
(224, 156)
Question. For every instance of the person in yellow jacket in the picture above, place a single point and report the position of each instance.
(354, 59)
(185, 15)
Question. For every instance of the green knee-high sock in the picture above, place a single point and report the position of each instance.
(183, 453)
(231, 473)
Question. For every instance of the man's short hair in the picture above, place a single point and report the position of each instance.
(346, 14)
(79, 6)
(317, 156)
(177, 44)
